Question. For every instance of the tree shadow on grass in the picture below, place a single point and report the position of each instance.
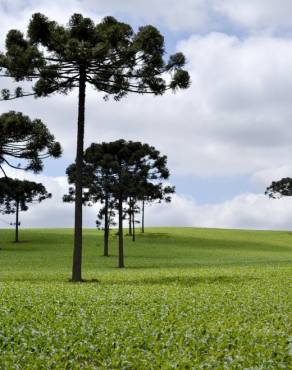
(12, 246)
(154, 235)
(185, 281)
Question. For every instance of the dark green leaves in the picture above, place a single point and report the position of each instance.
(281, 188)
(14, 191)
(24, 139)
(115, 59)
(180, 80)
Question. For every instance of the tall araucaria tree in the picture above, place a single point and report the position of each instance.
(109, 56)
(26, 141)
(16, 194)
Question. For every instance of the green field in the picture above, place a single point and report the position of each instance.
(188, 299)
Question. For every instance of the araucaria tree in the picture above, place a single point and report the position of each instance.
(152, 193)
(279, 189)
(26, 141)
(130, 166)
(110, 56)
(15, 195)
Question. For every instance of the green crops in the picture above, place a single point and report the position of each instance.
(188, 299)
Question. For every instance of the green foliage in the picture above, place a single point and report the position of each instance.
(24, 139)
(281, 188)
(21, 192)
(129, 165)
(109, 55)
(191, 298)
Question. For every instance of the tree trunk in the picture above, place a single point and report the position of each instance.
(17, 222)
(143, 217)
(77, 254)
(130, 218)
(106, 228)
(121, 239)
(133, 218)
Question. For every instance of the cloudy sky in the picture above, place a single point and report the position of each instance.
(226, 138)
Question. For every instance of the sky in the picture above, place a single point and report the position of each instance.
(226, 137)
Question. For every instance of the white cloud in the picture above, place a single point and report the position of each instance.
(256, 14)
(245, 211)
(187, 16)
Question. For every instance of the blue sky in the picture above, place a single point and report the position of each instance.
(226, 138)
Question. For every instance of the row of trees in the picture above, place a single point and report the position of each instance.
(117, 174)
(110, 56)
(121, 174)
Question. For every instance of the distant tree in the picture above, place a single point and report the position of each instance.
(26, 140)
(130, 211)
(110, 56)
(15, 195)
(281, 188)
(129, 166)
(151, 193)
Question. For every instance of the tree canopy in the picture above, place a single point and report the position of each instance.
(110, 55)
(24, 139)
(281, 188)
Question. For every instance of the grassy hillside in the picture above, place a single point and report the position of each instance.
(200, 298)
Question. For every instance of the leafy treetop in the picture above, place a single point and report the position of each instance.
(108, 55)
(24, 139)
(129, 165)
(21, 192)
(281, 188)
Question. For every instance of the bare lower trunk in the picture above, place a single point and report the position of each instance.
(77, 254)
(143, 215)
(106, 229)
(17, 222)
(121, 239)
(134, 235)
(130, 219)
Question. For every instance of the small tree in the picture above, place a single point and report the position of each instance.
(152, 193)
(110, 56)
(130, 211)
(24, 139)
(279, 189)
(15, 195)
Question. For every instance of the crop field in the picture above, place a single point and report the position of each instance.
(187, 299)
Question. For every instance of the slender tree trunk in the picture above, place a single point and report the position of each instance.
(121, 239)
(143, 215)
(133, 219)
(17, 222)
(77, 254)
(130, 218)
(106, 228)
